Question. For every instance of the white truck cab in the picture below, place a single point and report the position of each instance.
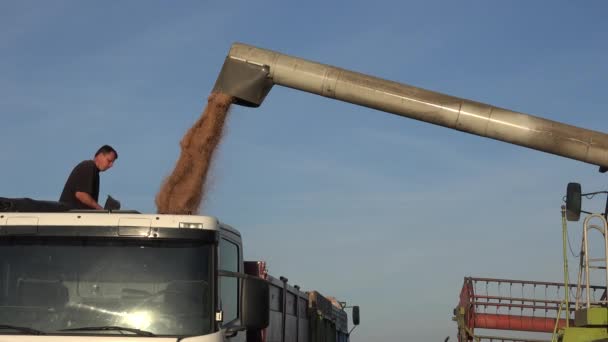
(124, 276)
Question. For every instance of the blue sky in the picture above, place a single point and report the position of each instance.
(378, 210)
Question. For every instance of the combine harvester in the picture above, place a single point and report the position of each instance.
(66, 276)
(248, 75)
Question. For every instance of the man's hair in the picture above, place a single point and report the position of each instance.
(105, 149)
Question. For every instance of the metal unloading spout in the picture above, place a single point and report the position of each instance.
(249, 73)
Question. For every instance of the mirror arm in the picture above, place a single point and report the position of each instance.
(232, 331)
(606, 209)
(595, 193)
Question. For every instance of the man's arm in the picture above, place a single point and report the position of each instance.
(87, 200)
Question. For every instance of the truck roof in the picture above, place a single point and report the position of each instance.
(106, 219)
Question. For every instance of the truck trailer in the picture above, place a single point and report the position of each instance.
(116, 276)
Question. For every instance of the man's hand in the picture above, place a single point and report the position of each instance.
(87, 200)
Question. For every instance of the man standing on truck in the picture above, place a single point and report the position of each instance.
(81, 190)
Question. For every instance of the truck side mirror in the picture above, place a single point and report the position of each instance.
(256, 303)
(356, 318)
(573, 202)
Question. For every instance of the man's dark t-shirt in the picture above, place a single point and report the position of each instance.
(84, 178)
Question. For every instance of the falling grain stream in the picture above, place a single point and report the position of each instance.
(183, 190)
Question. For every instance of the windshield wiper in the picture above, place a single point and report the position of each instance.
(113, 328)
(22, 329)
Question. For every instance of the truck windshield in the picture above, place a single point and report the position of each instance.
(58, 284)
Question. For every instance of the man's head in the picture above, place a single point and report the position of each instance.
(105, 157)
